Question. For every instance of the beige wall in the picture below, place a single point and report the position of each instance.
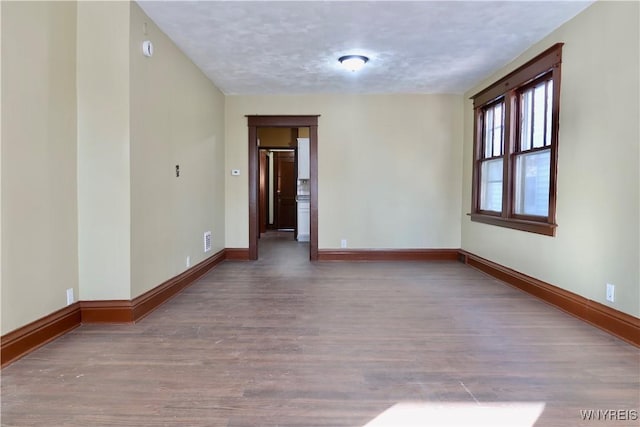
(92, 130)
(1, 204)
(303, 132)
(39, 234)
(103, 150)
(276, 137)
(177, 118)
(91, 134)
(598, 232)
(389, 167)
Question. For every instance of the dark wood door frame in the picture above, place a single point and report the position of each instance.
(255, 122)
(285, 173)
(263, 205)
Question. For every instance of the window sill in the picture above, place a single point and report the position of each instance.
(517, 224)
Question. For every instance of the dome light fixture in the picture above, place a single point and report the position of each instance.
(353, 62)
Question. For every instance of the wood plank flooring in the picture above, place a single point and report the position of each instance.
(285, 342)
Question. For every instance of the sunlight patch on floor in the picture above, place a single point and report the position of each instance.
(458, 414)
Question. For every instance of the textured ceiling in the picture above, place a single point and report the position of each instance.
(291, 47)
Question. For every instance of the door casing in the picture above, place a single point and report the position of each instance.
(255, 122)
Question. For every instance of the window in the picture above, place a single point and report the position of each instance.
(515, 147)
(492, 159)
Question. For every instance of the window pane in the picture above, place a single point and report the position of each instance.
(547, 140)
(532, 183)
(526, 110)
(497, 130)
(493, 133)
(488, 132)
(491, 185)
(539, 114)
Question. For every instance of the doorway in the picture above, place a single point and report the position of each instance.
(278, 190)
(255, 221)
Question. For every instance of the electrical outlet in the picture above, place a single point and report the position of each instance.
(207, 241)
(188, 261)
(611, 292)
(343, 243)
(69, 296)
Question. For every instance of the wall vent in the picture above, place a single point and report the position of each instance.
(207, 241)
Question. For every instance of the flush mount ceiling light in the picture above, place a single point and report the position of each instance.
(353, 62)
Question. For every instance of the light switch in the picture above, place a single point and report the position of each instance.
(235, 172)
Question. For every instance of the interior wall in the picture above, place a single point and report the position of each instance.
(104, 228)
(597, 239)
(98, 209)
(389, 167)
(39, 220)
(177, 118)
(1, 204)
(303, 132)
(276, 137)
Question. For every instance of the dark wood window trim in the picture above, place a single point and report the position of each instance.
(545, 66)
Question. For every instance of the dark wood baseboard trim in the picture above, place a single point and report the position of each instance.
(615, 322)
(152, 299)
(237, 254)
(129, 311)
(24, 340)
(107, 311)
(388, 255)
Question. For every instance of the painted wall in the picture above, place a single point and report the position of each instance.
(91, 134)
(177, 118)
(597, 239)
(276, 137)
(1, 204)
(104, 229)
(389, 167)
(39, 233)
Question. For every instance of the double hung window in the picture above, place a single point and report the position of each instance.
(515, 147)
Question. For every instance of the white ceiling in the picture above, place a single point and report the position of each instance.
(291, 47)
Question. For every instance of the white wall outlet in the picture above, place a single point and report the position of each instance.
(207, 241)
(611, 292)
(343, 243)
(70, 298)
(188, 262)
(235, 172)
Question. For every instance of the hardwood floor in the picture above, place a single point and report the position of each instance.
(285, 342)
